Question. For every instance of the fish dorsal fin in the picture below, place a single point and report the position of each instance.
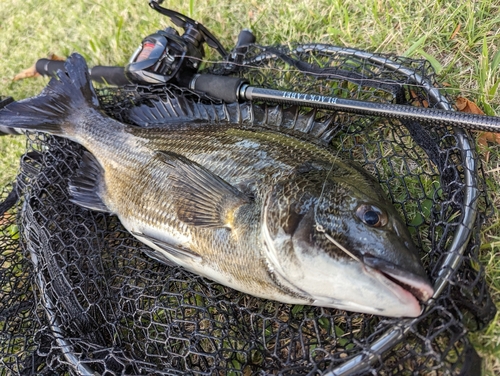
(86, 186)
(178, 112)
(168, 113)
(202, 198)
(174, 112)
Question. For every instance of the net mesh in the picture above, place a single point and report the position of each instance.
(80, 296)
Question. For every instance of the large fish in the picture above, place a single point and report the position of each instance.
(258, 209)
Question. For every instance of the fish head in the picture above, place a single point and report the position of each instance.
(332, 236)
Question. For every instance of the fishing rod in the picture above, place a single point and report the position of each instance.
(225, 85)
(167, 57)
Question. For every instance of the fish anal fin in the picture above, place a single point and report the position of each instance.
(203, 199)
(87, 185)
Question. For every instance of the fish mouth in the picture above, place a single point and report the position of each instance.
(417, 285)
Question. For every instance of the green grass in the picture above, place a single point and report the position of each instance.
(468, 61)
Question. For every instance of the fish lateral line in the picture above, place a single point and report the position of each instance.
(285, 139)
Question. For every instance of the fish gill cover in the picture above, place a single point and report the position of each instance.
(79, 295)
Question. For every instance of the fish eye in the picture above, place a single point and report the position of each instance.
(371, 215)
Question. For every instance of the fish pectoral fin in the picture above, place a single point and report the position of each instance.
(202, 198)
(174, 250)
(87, 184)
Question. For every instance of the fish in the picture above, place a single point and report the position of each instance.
(259, 209)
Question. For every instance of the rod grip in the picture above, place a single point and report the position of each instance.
(111, 75)
(221, 87)
(99, 73)
(47, 67)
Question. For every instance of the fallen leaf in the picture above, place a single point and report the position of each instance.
(456, 31)
(56, 57)
(26, 73)
(488, 136)
(5, 218)
(465, 105)
(483, 140)
(31, 71)
(417, 101)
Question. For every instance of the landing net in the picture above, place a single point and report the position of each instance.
(79, 295)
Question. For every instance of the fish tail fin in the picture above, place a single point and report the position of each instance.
(48, 112)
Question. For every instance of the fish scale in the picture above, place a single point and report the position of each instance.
(265, 209)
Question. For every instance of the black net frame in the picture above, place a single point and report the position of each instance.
(80, 296)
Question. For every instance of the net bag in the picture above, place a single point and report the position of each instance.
(80, 296)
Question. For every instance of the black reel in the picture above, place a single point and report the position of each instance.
(166, 56)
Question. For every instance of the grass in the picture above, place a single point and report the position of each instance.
(461, 40)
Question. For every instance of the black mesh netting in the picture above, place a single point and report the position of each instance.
(79, 295)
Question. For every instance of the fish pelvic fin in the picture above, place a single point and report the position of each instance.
(165, 248)
(50, 111)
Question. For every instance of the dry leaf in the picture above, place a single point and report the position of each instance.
(5, 218)
(26, 73)
(455, 32)
(418, 102)
(483, 140)
(488, 136)
(56, 57)
(31, 71)
(465, 105)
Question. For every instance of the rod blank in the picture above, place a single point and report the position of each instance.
(232, 89)
(434, 116)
